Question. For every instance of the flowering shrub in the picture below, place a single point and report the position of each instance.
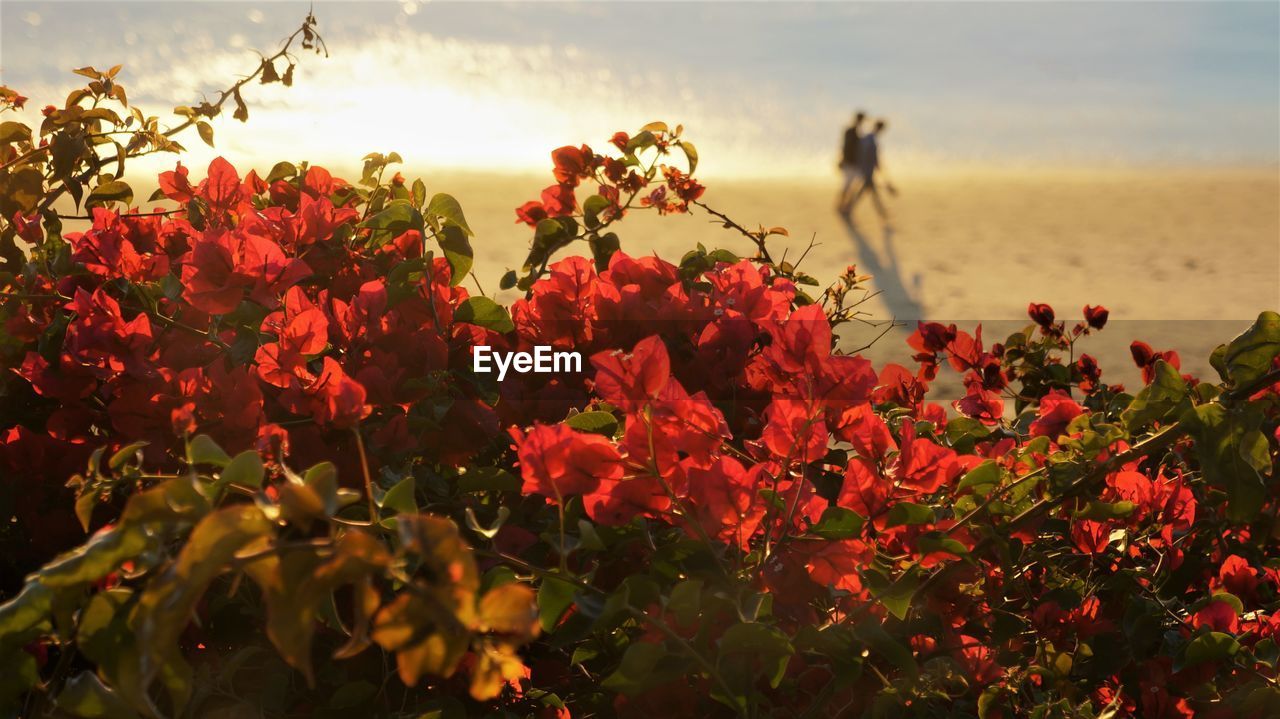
(722, 514)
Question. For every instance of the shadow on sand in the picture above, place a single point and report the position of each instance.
(904, 304)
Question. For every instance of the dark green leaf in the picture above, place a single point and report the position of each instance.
(595, 422)
(447, 208)
(1249, 356)
(555, 596)
(486, 313)
(124, 454)
(481, 479)
(457, 250)
(14, 132)
(909, 513)
(838, 523)
(84, 695)
(203, 450)
(1209, 647)
(400, 498)
(1159, 400)
(396, 219)
(985, 475)
(110, 191)
(884, 646)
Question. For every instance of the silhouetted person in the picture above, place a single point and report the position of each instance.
(849, 160)
(868, 166)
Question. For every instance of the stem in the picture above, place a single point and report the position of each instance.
(368, 479)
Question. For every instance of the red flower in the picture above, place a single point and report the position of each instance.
(1090, 536)
(1218, 616)
(175, 185)
(795, 430)
(1056, 411)
(572, 164)
(1042, 314)
(1096, 316)
(558, 200)
(1238, 577)
(224, 264)
(556, 461)
(340, 400)
(630, 381)
(531, 213)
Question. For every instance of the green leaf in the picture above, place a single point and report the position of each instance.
(895, 595)
(690, 152)
(206, 132)
(203, 450)
(937, 541)
(594, 422)
(85, 504)
(22, 614)
(986, 474)
(14, 132)
(485, 479)
(643, 665)
(282, 171)
(166, 604)
(1249, 356)
(603, 248)
(486, 313)
(19, 677)
(396, 219)
(555, 596)
(97, 558)
(399, 499)
(110, 191)
(591, 209)
(125, 454)
(23, 190)
(685, 603)
(244, 470)
(750, 649)
(322, 479)
(838, 523)
(1230, 453)
(102, 632)
(457, 251)
(84, 695)
(508, 280)
(987, 701)
(1099, 510)
(1209, 647)
(447, 208)
(642, 139)
(1159, 400)
(909, 513)
(883, 645)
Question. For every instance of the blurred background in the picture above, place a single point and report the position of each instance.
(1124, 154)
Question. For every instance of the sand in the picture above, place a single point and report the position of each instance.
(1183, 259)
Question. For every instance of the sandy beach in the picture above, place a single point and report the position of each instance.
(1183, 259)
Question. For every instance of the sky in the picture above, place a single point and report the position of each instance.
(763, 89)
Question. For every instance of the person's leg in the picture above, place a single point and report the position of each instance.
(842, 202)
(862, 189)
(875, 196)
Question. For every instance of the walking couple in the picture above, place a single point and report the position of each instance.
(859, 162)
